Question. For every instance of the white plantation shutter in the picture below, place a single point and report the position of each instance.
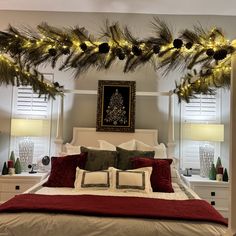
(27, 104)
(202, 109)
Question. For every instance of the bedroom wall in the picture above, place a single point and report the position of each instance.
(80, 110)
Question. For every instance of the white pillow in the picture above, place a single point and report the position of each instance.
(92, 179)
(70, 149)
(131, 180)
(104, 145)
(160, 150)
(129, 145)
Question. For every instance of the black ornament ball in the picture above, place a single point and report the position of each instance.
(52, 52)
(83, 46)
(156, 49)
(220, 54)
(104, 48)
(178, 43)
(120, 54)
(189, 45)
(65, 51)
(210, 52)
(56, 84)
(136, 50)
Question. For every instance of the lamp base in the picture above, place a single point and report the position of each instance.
(206, 154)
(26, 151)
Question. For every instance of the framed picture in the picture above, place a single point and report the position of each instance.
(116, 106)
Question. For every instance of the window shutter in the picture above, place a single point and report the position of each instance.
(202, 109)
(28, 105)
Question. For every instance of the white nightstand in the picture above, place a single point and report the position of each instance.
(214, 192)
(11, 185)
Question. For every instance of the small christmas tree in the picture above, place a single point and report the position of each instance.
(218, 163)
(225, 176)
(17, 166)
(12, 157)
(5, 169)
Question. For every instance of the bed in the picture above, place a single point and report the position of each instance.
(88, 204)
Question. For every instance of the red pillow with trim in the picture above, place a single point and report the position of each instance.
(161, 173)
(63, 170)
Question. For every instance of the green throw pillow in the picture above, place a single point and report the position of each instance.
(99, 159)
(125, 155)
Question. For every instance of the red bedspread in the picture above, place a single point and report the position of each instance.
(198, 210)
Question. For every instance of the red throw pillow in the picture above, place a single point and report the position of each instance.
(161, 173)
(63, 170)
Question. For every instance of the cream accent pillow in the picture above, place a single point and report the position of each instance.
(160, 150)
(137, 180)
(104, 145)
(92, 179)
(129, 145)
(70, 149)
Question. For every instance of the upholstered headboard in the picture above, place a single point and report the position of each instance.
(89, 137)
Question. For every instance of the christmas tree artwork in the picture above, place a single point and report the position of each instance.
(115, 112)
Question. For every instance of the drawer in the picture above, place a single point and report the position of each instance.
(211, 192)
(218, 203)
(16, 188)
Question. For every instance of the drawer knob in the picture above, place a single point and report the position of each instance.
(17, 187)
(213, 193)
(213, 203)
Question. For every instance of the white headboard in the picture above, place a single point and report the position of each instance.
(89, 137)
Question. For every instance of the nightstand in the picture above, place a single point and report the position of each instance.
(214, 192)
(11, 185)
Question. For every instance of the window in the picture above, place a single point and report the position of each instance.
(28, 105)
(202, 109)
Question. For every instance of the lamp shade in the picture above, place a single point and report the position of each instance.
(27, 127)
(203, 132)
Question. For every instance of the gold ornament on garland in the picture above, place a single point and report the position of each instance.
(22, 51)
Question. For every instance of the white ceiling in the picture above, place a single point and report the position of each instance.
(177, 7)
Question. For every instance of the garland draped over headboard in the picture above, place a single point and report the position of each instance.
(22, 51)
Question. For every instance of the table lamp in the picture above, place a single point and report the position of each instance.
(26, 128)
(208, 133)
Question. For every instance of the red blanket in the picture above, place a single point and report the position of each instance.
(198, 210)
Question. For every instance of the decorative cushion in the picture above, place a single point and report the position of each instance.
(125, 155)
(92, 179)
(99, 159)
(131, 180)
(160, 150)
(63, 170)
(161, 173)
(70, 149)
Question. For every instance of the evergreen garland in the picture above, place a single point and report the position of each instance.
(22, 51)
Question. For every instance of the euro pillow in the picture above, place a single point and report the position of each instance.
(137, 180)
(99, 159)
(160, 149)
(129, 145)
(124, 157)
(161, 172)
(63, 170)
(92, 179)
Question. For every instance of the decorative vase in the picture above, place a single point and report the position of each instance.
(5, 169)
(17, 166)
(225, 176)
(12, 157)
(212, 174)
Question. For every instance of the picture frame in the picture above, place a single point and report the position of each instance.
(116, 106)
